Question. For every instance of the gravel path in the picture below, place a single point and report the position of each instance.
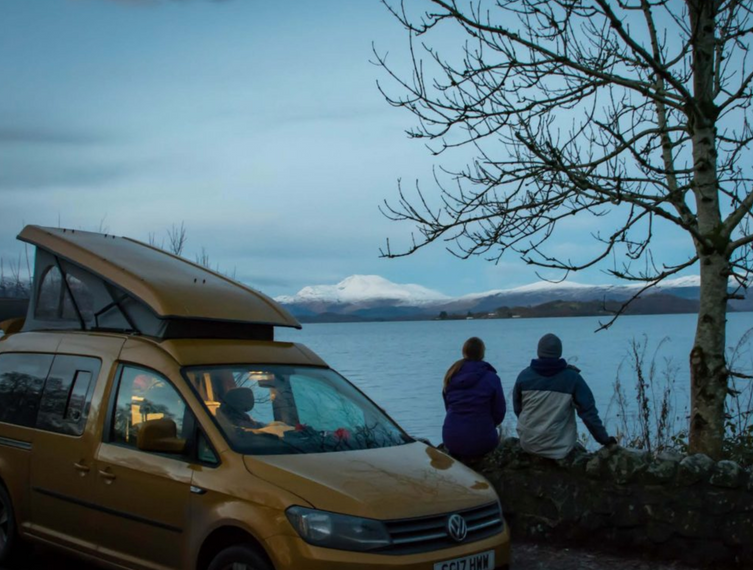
(533, 556)
(526, 556)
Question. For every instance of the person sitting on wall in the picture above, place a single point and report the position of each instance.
(545, 398)
(475, 404)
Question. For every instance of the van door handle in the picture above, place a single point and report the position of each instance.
(82, 468)
(107, 475)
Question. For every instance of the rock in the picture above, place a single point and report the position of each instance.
(627, 514)
(661, 471)
(650, 495)
(591, 521)
(601, 503)
(694, 469)
(707, 553)
(665, 514)
(727, 474)
(576, 455)
(738, 530)
(721, 502)
(607, 451)
(580, 462)
(593, 467)
(691, 508)
(514, 456)
(695, 524)
(625, 463)
(669, 455)
(659, 532)
(535, 527)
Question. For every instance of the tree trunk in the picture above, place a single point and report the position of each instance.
(708, 370)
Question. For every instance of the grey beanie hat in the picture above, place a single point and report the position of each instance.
(550, 346)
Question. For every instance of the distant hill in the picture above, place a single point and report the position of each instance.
(654, 305)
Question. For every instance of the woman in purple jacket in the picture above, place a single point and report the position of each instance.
(475, 404)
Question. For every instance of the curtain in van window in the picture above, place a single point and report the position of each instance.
(22, 378)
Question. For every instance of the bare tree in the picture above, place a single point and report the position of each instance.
(203, 259)
(103, 228)
(176, 237)
(152, 240)
(637, 110)
(28, 264)
(17, 286)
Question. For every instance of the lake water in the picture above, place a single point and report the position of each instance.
(400, 365)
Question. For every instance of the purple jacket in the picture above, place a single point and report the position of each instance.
(475, 405)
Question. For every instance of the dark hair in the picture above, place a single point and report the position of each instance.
(473, 350)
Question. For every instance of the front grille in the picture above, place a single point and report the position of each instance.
(424, 534)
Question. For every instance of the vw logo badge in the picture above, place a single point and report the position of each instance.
(457, 528)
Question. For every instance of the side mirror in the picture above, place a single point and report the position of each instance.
(160, 436)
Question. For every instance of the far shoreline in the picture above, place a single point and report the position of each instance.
(656, 305)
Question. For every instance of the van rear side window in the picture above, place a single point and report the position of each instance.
(22, 378)
(67, 394)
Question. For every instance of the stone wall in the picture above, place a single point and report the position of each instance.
(686, 508)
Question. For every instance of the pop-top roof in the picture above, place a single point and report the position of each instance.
(172, 287)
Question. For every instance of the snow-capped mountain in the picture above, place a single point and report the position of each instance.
(545, 291)
(359, 293)
(372, 296)
(364, 289)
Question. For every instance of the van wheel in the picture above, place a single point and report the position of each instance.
(9, 539)
(240, 557)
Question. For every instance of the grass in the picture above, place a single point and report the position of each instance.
(644, 413)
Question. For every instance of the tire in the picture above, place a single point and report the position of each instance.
(10, 542)
(240, 557)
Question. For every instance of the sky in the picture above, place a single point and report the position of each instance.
(257, 124)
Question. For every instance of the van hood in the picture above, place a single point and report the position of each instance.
(405, 481)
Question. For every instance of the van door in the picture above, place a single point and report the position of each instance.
(144, 494)
(62, 462)
(22, 378)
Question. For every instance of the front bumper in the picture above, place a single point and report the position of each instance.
(293, 553)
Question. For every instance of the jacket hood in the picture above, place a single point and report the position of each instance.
(470, 374)
(548, 366)
(405, 481)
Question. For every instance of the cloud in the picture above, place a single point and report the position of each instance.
(49, 136)
(155, 2)
(30, 175)
(264, 282)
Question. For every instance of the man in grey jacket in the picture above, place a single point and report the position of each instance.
(545, 398)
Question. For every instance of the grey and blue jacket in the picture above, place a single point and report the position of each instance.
(545, 398)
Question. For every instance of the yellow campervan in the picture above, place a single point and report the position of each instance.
(149, 420)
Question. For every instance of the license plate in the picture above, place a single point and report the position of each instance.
(481, 561)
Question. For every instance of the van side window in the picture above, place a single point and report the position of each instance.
(22, 378)
(144, 396)
(53, 302)
(84, 299)
(67, 394)
(204, 451)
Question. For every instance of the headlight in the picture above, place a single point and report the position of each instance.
(332, 530)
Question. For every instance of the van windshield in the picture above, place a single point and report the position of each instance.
(275, 410)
